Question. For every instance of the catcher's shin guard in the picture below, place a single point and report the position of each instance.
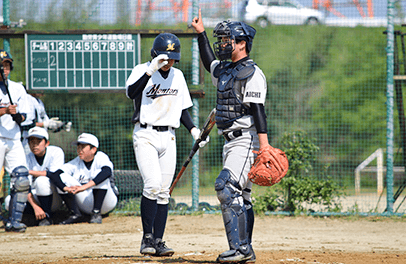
(250, 228)
(19, 197)
(250, 220)
(234, 217)
(235, 225)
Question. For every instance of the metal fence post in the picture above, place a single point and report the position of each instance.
(195, 82)
(389, 106)
(6, 22)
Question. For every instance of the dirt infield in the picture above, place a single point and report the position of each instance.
(200, 238)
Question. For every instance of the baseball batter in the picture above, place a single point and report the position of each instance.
(161, 98)
(84, 182)
(12, 155)
(240, 118)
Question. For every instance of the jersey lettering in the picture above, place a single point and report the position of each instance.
(82, 179)
(156, 91)
(253, 94)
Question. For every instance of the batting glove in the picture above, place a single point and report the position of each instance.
(67, 126)
(196, 133)
(157, 63)
(53, 124)
(18, 118)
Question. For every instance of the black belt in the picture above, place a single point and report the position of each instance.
(232, 135)
(157, 128)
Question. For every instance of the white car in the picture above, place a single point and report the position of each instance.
(281, 12)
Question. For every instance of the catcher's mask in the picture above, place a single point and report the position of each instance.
(5, 56)
(166, 43)
(226, 32)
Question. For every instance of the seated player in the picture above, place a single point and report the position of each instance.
(42, 160)
(84, 182)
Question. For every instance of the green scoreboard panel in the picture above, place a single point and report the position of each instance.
(80, 62)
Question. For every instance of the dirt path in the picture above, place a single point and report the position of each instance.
(199, 239)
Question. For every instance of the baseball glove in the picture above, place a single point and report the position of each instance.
(269, 167)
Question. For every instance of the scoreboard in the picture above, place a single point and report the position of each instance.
(80, 62)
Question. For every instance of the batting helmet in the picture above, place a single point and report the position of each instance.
(19, 171)
(231, 30)
(166, 43)
(5, 56)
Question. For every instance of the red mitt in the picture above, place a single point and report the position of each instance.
(269, 167)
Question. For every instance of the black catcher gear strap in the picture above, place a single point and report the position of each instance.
(258, 112)
(206, 53)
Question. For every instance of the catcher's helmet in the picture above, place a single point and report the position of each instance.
(166, 43)
(231, 30)
(5, 56)
(19, 171)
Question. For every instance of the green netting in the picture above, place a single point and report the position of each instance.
(327, 80)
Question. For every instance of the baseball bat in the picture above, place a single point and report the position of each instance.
(5, 82)
(207, 127)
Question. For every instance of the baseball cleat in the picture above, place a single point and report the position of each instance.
(16, 227)
(162, 249)
(147, 245)
(45, 222)
(253, 257)
(73, 219)
(96, 217)
(234, 256)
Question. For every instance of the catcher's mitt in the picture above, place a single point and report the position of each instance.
(269, 167)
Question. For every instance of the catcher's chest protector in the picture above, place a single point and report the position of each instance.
(229, 106)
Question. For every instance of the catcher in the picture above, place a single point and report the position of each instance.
(240, 118)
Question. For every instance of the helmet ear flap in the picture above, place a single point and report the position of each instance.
(153, 53)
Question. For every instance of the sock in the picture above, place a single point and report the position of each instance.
(148, 213)
(160, 220)
(98, 198)
(46, 204)
(70, 202)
